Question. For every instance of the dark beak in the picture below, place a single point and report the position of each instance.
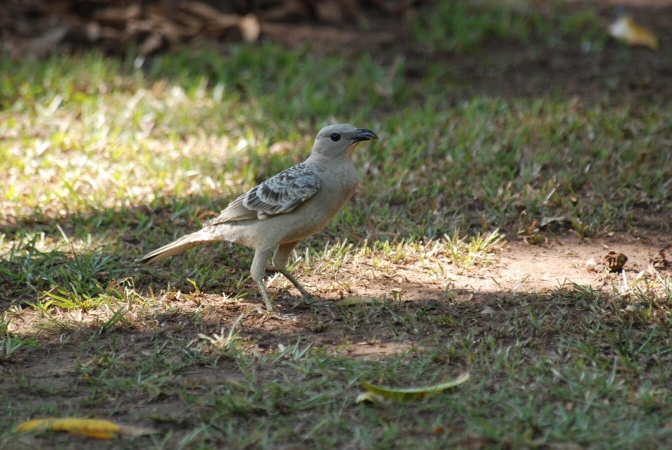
(363, 134)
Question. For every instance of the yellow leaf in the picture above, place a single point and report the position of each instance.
(368, 397)
(130, 430)
(355, 300)
(95, 428)
(631, 33)
(413, 393)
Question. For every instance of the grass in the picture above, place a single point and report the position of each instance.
(102, 161)
(463, 27)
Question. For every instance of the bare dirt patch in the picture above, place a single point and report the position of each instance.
(519, 268)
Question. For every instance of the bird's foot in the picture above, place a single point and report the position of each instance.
(276, 315)
(264, 295)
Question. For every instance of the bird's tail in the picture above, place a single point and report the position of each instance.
(178, 246)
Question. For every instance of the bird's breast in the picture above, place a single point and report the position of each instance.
(338, 186)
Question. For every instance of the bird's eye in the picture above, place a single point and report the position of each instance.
(335, 137)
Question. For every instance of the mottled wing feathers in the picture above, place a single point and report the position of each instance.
(235, 212)
(279, 194)
(283, 192)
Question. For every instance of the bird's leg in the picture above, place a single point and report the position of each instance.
(264, 294)
(280, 259)
(305, 294)
(258, 270)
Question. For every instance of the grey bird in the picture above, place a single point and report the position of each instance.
(276, 215)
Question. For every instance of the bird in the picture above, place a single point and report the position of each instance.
(274, 216)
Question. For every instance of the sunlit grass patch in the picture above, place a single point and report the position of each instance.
(349, 265)
(130, 138)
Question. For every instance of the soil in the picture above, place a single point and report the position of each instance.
(467, 296)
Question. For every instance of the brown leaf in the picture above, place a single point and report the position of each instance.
(217, 21)
(250, 28)
(169, 29)
(615, 261)
(286, 11)
(174, 15)
(140, 26)
(152, 43)
(42, 45)
(660, 261)
(118, 15)
(92, 30)
(329, 11)
(199, 9)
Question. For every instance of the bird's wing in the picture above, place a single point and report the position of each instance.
(235, 212)
(279, 194)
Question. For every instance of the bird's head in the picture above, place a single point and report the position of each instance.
(340, 140)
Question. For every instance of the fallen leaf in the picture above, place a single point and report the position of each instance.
(487, 310)
(42, 45)
(369, 397)
(413, 393)
(200, 9)
(660, 261)
(95, 428)
(287, 10)
(250, 28)
(591, 265)
(131, 430)
(615, 261)
(329, 11)
(92, 31)
(153, 42)
(625, 29)
(217, 22)
(167, 28)
(118, 15)
(546, 221)
(184, 19)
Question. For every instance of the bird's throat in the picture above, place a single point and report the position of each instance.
(351, 149)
